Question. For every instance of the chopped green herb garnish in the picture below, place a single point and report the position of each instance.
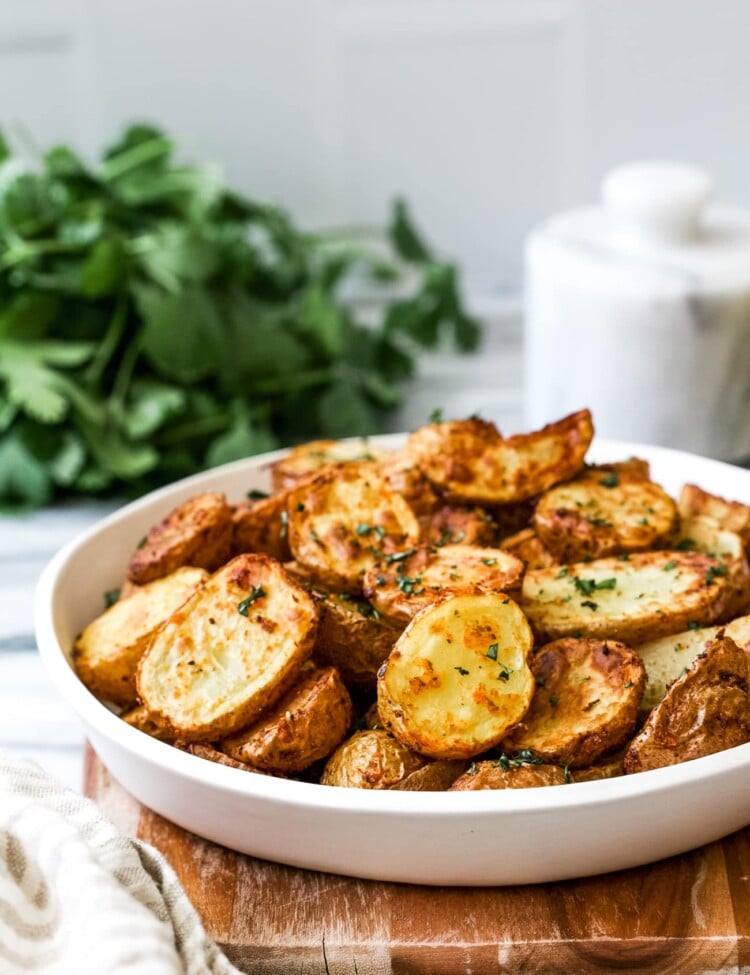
(670, 566)
(588, 586)
(628, 683)
(599, 522)
(582, 680)
(590, 604)
(554, 701)
(142, 542)
(524, 757)
(472, 770)
(492, 651)
(693, 625)
(408, 585)
(256, 592)
(566, 774)
(541, 681)
(610, 480)
(624, 556)
(643, 521)
(714, 572)
(363, 529)
(255, 495)
(110, 597)
(399, 556)
(686, 545)
(562, 573)
(461, 671)
(505, 671)
(490, 561)
(300, 506)
(315, 536)
(436, 416)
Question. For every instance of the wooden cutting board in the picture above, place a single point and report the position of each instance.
(687, 915)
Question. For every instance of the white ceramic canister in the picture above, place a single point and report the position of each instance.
(640, 309)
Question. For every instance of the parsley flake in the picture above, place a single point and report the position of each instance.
(610, 480)
(492, 651)
(461, 671)
(256, 592)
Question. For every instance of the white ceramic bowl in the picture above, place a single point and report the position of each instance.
(502, 837)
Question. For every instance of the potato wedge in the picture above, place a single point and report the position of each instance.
(703, 534)
(732, 516)
(344, 520)
(304, 725)
(607, 768)
(493, 775)
(198, 532)
(433, 777)
(140, 717)
(595, 516)
(585, 704)
(261, 526)
(457, 679)
(527, 546)
(454, 525)
(468, 460)
(402, 585)
(230, 651)
(107, 653)
(650, 594)
(706, 710)
(353, 637)
(370, 760)
(669, 657)
(307, 458)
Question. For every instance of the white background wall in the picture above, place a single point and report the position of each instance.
(487, 114)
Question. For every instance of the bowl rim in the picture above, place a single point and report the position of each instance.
(312, 796)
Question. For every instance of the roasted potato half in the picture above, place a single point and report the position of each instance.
(527, 546)
(457, 679)
(703, 534)
(595, 516)
(455, 525)
(433, 777)
(140, 718)
(304, 725)
(307, 458)
(403, 584)
(353, 637)
(706, 710)
(633, 467)
(669, 657)
(468, 460)
(732, 516)
(198, 533)
(107, 653)
(634, 600)
(346, 519)
(499, 775)
(261, 526)
(230, 651)
(585, 704)
(370, 760)
(404, 477)
(607, 768)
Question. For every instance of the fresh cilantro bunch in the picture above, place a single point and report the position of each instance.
(153, 322)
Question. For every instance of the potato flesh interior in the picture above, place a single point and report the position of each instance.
(458, 676)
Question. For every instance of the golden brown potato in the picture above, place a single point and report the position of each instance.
(706, 710)
(732, 516)
(211, 754)
(607, 768)
(457, 679)
(353, 637)
(595, 516)
(230, 651)
(468, 460)
(633, 600)
(370, 760)
(454, 525)
(633, 467)
(139, 717)
(527, 546)
(668, 657)
(198, 533)
(404, 477)
(402, 585)
(500, 775)
(304, 725)
(107, 653)
(308, 458)
(371, 718)
(585, 704)
(346, 519)
(703, 534)
(261, 526)
(433, 777)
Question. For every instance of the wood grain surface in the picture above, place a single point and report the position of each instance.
(686, 915)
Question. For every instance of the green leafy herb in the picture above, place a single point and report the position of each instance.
(256, 592)
(505, 671)
(588, 586)
(255, 495)
(562, 573)
(110, 597)
(461, 671)
(436, 416)
(154, 322)
(670, 566)
(492, 651)
(524, 757)
(714, 572)
(399, 556)
(686, 545)
(610, 480)
(693, 625)
(590, 604)
(490, 562)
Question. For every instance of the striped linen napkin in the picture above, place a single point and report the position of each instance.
(78, 898)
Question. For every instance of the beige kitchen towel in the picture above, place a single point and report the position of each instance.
(78, 898)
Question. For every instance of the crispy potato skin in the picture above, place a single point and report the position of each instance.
(457, 679)
(198, 532)
(527, 546)
(585, 704)
(404, 477)
(401, 589)
(353, 637)
(433, 777)
(107, 653)
(489, 775)
(310, 458)
(654, 593)
(212, 668)
(668, 657)
(344, 520)
(468, 460)
(607, 768)
(455, 525)
(370, 760)
(259, 526)
(140, 718)
(306, 724)
(211, 754)
(706, 710)
(592, 517)
(732, 516)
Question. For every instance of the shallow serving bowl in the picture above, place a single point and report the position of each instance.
(493, 837)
